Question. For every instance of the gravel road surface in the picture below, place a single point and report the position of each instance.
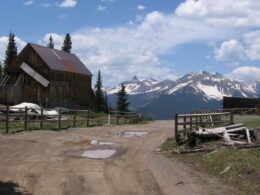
(52, 163)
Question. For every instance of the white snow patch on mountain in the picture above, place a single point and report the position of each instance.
(178, 87)
(212, 91)
(153, 89)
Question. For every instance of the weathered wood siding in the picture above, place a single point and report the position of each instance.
(238, 102)
(65, 89)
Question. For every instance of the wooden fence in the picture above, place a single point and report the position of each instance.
(13, 119)
(254, 111)
(185, 123)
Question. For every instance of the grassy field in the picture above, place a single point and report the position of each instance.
(250, 121)
(243, 165)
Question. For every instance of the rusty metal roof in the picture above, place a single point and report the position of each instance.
(60, 60)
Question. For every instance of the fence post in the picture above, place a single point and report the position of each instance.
(117, 121)
(59, 125)
(108, 120)
(184, 126)
(191, 123)
(41, 122)
(25, 118)
(257, 109)
(177, 138)
(7, 119)
(231, 116)
(88, 118)
(74, 119)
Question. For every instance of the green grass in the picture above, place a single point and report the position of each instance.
(244, 165)
(169, 144)
(250, 121)
(244, 171)
(18, 126)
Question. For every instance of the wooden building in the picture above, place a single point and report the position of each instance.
(48, 77)
(240, 102)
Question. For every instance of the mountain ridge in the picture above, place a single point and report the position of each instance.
(207, 88)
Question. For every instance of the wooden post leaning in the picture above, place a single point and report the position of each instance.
(7, 119)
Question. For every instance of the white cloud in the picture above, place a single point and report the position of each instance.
(141, 7)
(101, 8)
(3, 44)
(245, 73)
(252, 40)
(222, 13)
(68, 3)
(57, 40)
(230, 51)
(234, 51)
(136, 49)
(29, 2)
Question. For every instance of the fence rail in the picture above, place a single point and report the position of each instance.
(19, 119)
(185, 123)
(255, 110)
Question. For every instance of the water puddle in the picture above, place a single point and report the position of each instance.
(99, 154)
(134, 133)
(96, 142)
(106, 143)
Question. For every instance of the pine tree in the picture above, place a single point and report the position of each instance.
(99, 93)
(122, 99)
(67, 44)
(1, 72)
(51, 43)
(10, 53)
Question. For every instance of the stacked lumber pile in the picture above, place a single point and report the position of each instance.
(202, 140)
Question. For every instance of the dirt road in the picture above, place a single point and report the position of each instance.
(51, 163)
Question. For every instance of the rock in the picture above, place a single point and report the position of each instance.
(225, 170)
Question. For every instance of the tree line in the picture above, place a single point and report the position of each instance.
(101, 98)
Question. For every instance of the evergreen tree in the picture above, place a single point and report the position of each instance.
(99, 93)
(122, 99)
(1, 72)
(51, 43)
(11, 52)
(67, 44)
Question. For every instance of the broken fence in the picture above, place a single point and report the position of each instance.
(185, 123)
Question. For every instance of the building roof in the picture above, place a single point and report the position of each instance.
(60, 60)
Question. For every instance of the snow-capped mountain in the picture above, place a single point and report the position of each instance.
(191, 92)
(134, 86)
(211, 86)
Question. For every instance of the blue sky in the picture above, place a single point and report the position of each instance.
(148, 38)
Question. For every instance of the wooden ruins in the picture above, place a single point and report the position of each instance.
(192, 129)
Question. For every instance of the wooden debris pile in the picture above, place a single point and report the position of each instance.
(203, 140)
